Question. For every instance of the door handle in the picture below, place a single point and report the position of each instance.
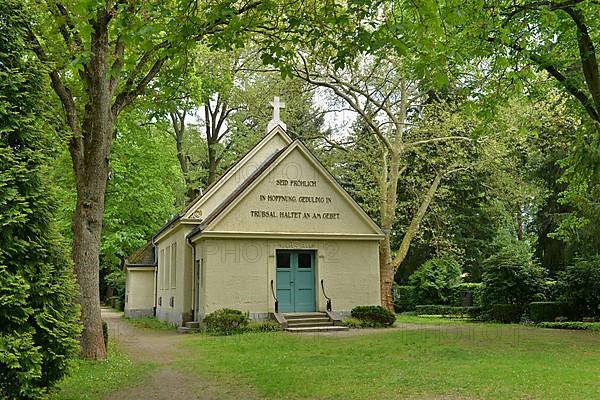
(291, 281)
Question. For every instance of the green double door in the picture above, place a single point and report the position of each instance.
(295, 280)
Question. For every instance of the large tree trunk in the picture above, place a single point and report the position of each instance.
(89, 153)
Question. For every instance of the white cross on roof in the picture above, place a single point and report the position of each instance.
(277, 106)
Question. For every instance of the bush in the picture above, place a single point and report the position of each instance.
(404, 298)
(225, 321)
(459, 292)
(579, 284)
(263, 326)
(546, 311)
(39, 319)
(353, 323)
(435, 280)
(116, 280)
(511, 277)
(453, 311)
(506, 313)
(374, 316)
(581, 326)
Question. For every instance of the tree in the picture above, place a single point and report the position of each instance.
(580, 284)
(388, 103)
(511, 276)
(101, 56)
(435, 279)
(38, 316)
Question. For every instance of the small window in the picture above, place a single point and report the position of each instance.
(283, 260)
(304, 260)
(173, 265)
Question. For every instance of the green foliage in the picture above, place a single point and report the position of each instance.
(511, 277)
(579, 284)
(373, 316)
(225, 322)
(38, 317)
(460, 291)
(262, 326)
(116, 280)
(580, 326)
(548, 311)
(451, 311)
(506, 313)
(435, 280)
(354, 323)
(404, 298)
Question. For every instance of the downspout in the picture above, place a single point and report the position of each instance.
(188, 241)
(155, 275)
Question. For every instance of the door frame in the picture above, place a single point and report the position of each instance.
(315, 258)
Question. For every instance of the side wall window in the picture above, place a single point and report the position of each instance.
(167, 267)
(173, 265)
(161, 269)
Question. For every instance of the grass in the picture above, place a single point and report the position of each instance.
(149, 323)
(91, 380)
(439, 359)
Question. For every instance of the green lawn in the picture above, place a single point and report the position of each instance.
(460, 360)
(92, 380)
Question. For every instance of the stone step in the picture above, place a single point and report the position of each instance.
(315, 319)
(192, 324)
(292, 316)
(317, 329)
(184, 329)
(294, 324)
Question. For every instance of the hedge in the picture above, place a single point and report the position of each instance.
(463, 311)
(506, 313)
(581, 326)
(548, 311)
(404, 298)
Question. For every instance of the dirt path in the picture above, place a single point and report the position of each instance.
(165, 382)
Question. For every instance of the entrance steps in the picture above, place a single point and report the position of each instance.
(189, 327)
(310, 322)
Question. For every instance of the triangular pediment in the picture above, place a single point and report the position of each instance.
(206, 204)
(293, 194)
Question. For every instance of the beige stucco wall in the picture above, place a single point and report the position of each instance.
(181, 291)
(139, 291)
(237, 273)
(295, 197)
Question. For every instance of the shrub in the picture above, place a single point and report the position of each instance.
(510, 277)
(453, 311)
(404, 298)
(579, 284)
(435, 279)
(225, 321)
(374, 316)
(546, 311)
(263, 326)
(506, 313)
(353, 323)
(570, 325)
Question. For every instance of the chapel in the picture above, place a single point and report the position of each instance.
(276, 237)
